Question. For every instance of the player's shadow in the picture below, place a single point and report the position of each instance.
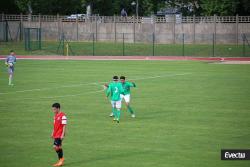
(108, 157)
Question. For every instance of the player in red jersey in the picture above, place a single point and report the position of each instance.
(58, 133)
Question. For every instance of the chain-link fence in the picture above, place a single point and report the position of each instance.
(205, 45)
(10, 31)
(211, 36)
(32, 39)
(129, 44)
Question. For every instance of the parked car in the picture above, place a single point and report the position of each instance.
(76, 16)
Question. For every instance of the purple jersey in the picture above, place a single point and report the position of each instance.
(11, 59)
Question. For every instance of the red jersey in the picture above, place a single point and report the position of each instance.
(60, 121)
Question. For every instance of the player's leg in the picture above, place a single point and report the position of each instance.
(122, 97)
(11, 72)
(118, 110)
(114, 110)
(112, 114)
(59, 151)
(129, 108)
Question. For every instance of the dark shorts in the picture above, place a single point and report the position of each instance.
(11, 70)
(57, 142)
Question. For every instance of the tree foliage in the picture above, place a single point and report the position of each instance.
(219, 7)
(114, 7)
(49, 6)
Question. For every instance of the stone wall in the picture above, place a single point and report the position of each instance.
(135, 32)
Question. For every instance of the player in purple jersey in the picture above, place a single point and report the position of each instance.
(10, 62)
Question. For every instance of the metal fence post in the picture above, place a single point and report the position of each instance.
(183, 43)
(93, 45)
(153, 44)
(154, 23)
(6, 31)
(25, 39)
(77, 33)
(134, 27)
(244, 45)
(193, 29)
(40, 40)
(4, 27)
(58, 25)
(123, 45)
(115, 27)
(213, 45)
(39, 20)
(21, 27)
(63, 43)
(37, 36)
(28, 37)
(2, 17)
(29, 19)
(215, 22)
(173, 31)
(96, 28)
(237, 29)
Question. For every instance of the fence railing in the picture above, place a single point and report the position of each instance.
(122, 45)
(129, 19)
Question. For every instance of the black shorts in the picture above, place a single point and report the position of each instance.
(58, 142)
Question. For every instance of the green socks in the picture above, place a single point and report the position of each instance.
(130, 110)
(117, 114)
(10, 80)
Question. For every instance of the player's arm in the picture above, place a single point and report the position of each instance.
(63, 132)
(52, 133)
(105, 86)
(6, 61)
(108, 91)
(122, 90)
(132, 84)
(14, 61)
(64, 123)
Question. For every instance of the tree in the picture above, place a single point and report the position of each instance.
(9, 7)
(50, 6)
(218, 7)
(114, 7)
(146, 8)
(243, 8)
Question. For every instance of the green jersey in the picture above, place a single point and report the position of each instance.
(126, 86)
(115, 89)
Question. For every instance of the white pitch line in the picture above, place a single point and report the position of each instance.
(42, 89)
(160, 76)
(92, 83)
(71, 95)
(98, 84)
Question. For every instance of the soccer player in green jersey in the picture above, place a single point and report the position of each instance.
(126, 86)
(115, 90)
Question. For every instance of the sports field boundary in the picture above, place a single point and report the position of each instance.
(161, 58)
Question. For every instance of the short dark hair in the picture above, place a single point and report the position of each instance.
(122, 77)
(56, 105)
(12, 51)
(115, 78)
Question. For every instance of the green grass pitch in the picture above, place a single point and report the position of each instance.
(130, 49)
(186, 113)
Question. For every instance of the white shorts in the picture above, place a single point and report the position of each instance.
(126, 98)
(116, 104)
